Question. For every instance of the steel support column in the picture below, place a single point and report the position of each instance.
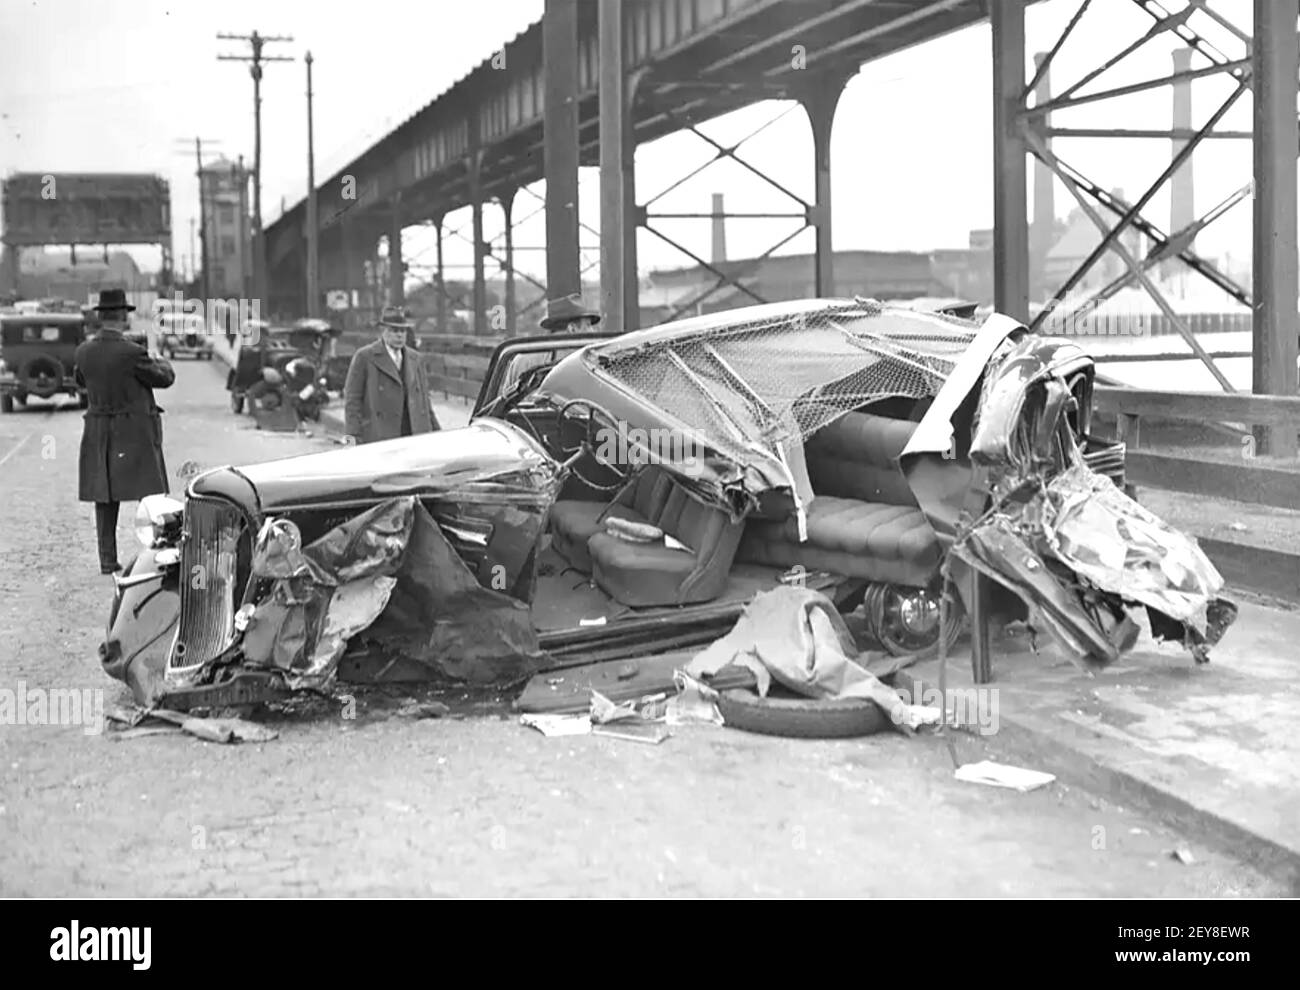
(439, 279)
(560, 149)
(396, 267)
(476, 205)
(507, 210)
(619, 283)
(1276, 58)
(820, 99)
(1010, 175)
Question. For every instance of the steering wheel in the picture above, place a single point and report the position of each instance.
(598, 419)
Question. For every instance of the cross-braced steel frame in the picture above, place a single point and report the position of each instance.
(1268, 70)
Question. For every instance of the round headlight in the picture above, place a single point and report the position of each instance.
(153, 516)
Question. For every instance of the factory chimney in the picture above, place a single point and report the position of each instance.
(1042, 233)
(719, 224)
(1182, 209)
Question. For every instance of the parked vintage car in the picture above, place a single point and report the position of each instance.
(629, 495)
(184, 333)
(36, 352)
(278, 364)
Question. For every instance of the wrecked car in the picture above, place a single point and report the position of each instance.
(629, 495)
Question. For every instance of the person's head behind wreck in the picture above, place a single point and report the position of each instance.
(569, 315)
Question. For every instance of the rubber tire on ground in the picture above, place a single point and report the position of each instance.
(236, 402)
(6, 403)
(802, 718)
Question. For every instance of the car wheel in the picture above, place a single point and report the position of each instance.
(905, 621)
(802, 718)
(236, 402)
(6, 403)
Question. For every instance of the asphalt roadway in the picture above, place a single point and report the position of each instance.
(478, 805)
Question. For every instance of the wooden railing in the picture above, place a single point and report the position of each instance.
(457, 364)
(1246, 477)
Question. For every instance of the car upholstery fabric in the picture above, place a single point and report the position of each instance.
(574, 522)
(863, 520)
(643, 575)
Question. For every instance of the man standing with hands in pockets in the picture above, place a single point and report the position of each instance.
(387, 391)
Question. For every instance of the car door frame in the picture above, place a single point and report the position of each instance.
(500, 359)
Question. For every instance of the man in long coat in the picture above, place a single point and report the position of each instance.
(387, 390)
(121, 444)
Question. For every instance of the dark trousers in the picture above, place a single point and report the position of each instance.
(406, 407)
(106, 530)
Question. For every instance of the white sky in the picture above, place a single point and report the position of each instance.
(125, 85)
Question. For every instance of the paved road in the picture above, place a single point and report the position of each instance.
(382, 805)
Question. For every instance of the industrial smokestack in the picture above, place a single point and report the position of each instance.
(1042, 230)
(1182, 208)
(719, 224)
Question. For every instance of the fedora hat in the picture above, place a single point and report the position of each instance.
(111, 299)
(561, 312)
(398, 317)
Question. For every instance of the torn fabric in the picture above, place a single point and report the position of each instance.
(798, 637)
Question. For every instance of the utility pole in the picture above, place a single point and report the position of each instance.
(203, 217)
(255, 70)
(313, 244)
(192, 251)
(245, 246)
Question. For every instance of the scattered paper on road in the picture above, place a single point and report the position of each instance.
(558, 725)
(1001, 775)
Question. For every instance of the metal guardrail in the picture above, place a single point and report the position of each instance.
(1245, 480)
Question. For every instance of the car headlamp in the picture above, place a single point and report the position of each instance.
(157, 520)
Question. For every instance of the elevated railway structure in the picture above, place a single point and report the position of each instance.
(590, 81)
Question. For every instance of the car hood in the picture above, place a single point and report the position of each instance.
(488, 455)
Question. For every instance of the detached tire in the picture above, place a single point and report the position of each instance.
(6, 403)
(802, 718)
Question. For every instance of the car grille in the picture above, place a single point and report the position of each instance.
(1107, 457)
(209, 578)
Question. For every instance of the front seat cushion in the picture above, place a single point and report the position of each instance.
(573, 523)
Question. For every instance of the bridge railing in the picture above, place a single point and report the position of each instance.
(1243, 476)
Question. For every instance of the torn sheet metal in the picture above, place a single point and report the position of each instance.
(439, 615)
(1103, 535)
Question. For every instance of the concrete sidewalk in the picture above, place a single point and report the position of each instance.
(1210, 749)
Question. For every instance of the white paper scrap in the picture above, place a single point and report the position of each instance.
(1001, 775)
(558, 725)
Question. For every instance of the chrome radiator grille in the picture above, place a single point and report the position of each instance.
(209, 575)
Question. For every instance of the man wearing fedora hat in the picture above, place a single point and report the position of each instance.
(569, 315)
(121, 443)
(387, 389)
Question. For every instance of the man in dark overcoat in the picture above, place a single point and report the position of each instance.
(121, 444)
(387, 390)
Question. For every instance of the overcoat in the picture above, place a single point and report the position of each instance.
(121, 443)
(372, 395)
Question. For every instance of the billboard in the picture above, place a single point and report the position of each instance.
(83, 208)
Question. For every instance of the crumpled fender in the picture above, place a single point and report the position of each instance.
(141, 625)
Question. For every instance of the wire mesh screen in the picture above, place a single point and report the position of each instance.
(783, 377)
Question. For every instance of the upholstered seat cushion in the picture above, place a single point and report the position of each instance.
(644, 575)
(573, 523)
(872, 540)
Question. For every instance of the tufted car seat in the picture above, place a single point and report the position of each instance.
(574, 522)
(644, 575)
(863, 520)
